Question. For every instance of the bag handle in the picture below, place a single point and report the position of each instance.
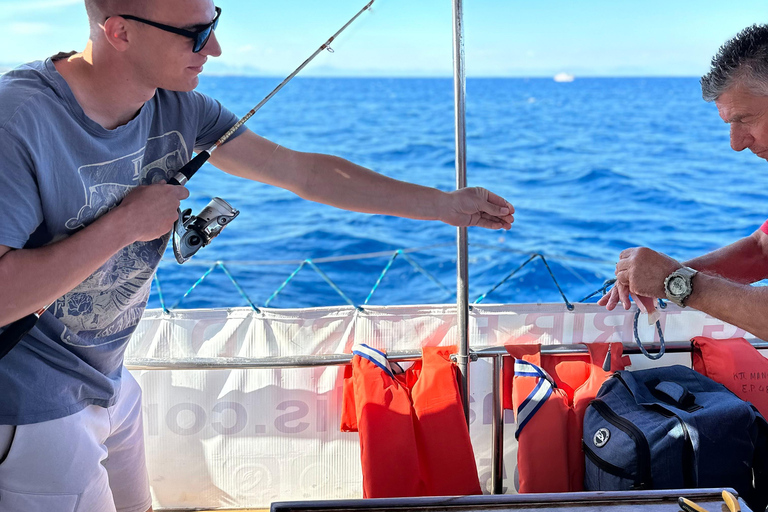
(673, 393)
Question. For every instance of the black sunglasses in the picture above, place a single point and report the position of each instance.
(199, 36)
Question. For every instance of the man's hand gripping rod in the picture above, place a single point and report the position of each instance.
(15, 331)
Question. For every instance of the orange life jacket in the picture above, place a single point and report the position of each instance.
(735, 364)
(414, 439)
(550, 394)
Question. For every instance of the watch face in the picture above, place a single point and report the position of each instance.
(677, 286)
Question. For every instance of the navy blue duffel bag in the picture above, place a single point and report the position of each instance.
(673, 428)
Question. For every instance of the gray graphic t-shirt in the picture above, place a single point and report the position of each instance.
(59, 172)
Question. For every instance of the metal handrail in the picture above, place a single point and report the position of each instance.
(254, 363)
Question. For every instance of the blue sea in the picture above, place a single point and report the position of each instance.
(593, 167)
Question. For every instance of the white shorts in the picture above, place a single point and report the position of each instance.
(92, 461)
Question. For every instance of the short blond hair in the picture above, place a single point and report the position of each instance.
(99, 10)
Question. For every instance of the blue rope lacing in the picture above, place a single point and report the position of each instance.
(392, 257)
(218, 264)
(285, 283)
(511, 274)
(160, 294)
(311, 263)
(404, 253)
(383, 273)
(415, 265)
(319, 272)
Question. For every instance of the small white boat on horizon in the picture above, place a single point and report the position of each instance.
(563, 77)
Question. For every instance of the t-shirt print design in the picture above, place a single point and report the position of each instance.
(112, 299)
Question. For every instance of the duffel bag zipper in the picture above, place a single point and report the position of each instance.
(689, 458)
(644, 480)
(607, 466)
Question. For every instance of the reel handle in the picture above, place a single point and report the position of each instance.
(190, 168)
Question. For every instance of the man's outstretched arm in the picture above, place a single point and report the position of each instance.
(337, 182)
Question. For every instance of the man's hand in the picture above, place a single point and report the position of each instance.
(477, 206)
(640, 273)
(151, 210)
(619, 293)
(33, 278)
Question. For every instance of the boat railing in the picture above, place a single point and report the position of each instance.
(497, 353)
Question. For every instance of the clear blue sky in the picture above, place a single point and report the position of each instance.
(413, 37)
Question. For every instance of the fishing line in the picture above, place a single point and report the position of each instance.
(191, 232)
(186, 172)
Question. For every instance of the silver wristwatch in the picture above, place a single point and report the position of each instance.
(679, 285)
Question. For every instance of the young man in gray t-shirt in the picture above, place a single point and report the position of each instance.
(85, 225)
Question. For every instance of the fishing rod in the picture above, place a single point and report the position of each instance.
(190, 232)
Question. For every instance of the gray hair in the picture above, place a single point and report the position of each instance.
(742, 60)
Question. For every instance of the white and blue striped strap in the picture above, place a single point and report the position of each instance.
(396, 368)
(537, 397)
(375, 356)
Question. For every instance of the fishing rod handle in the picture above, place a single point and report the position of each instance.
(185, 173)
(15, 332)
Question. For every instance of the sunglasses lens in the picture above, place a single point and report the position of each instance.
(202, 39)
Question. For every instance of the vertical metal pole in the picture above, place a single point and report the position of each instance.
(497, 456)
(462, 289)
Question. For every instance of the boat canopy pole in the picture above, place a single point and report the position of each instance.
(462, 279)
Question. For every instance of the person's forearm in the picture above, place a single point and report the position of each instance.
(340, 183)
(327, 179)
(738, 304)
(743, 261)
(337, 182)
(30, 279)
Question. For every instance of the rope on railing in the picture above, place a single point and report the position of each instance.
(511, 274)
(160, 294)
(383, 273)
(322, 274)
(239, 288)
(285, 283)
(392, 257)
(428, 275)
(202, 278)
(331, 283)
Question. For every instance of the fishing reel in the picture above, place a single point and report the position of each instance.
(191, 232)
